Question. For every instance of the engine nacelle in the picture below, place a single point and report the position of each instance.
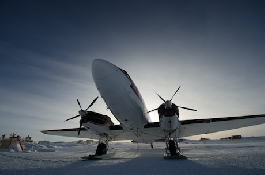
(168, 117)
(97, 122)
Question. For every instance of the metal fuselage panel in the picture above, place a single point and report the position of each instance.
(117, 90)
(169, 124)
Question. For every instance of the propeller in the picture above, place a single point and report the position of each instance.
(81, 108)
(81, 122)
(72, 117)
(160, 97)
(79, 104)
(175, 93)
(80, 113)
(92, 103)
(187, 108)
(177, 106)
(170, 101)
(153, 110)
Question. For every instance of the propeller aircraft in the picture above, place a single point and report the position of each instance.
(126, 104)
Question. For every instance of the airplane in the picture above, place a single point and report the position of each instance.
(126, 104)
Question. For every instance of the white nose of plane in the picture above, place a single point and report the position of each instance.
(102, 69)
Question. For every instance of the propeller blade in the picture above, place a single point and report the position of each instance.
(175, 93)
(78, 103)
(160, 97)
(92, 103)
(81, 122)
(72, 117)
(187, 108)
(153, 110)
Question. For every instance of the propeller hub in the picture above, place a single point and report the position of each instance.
(168, 104)
(82, 112)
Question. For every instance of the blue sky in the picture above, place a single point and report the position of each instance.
(214, 49)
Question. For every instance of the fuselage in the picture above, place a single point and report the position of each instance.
(120, 94)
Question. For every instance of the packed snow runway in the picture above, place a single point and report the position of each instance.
(244, 156)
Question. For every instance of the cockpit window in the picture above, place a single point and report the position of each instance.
(125, 73)
(134, 88)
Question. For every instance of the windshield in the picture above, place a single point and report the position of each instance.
(134, 88)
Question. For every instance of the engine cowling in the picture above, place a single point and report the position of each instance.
(168, 116)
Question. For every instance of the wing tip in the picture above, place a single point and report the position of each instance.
(44, 131)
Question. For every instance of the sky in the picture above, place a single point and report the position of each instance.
(214, 49)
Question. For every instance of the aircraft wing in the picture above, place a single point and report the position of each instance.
(211, 125)
(153, 132)
(84, 133)
(115, 133)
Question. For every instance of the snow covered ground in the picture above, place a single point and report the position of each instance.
(245, 156)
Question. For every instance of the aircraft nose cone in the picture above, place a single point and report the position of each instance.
(102, 69)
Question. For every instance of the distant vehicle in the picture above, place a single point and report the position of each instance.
(126, 104)
(202, 139)
(232, 137)
(236, 136)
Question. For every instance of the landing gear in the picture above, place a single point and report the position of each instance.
(172, 146)
(172, 149)
(102, 152)
(101, 149)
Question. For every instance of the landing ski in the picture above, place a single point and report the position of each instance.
(95, 157)
(91, 157)
(178, 157)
